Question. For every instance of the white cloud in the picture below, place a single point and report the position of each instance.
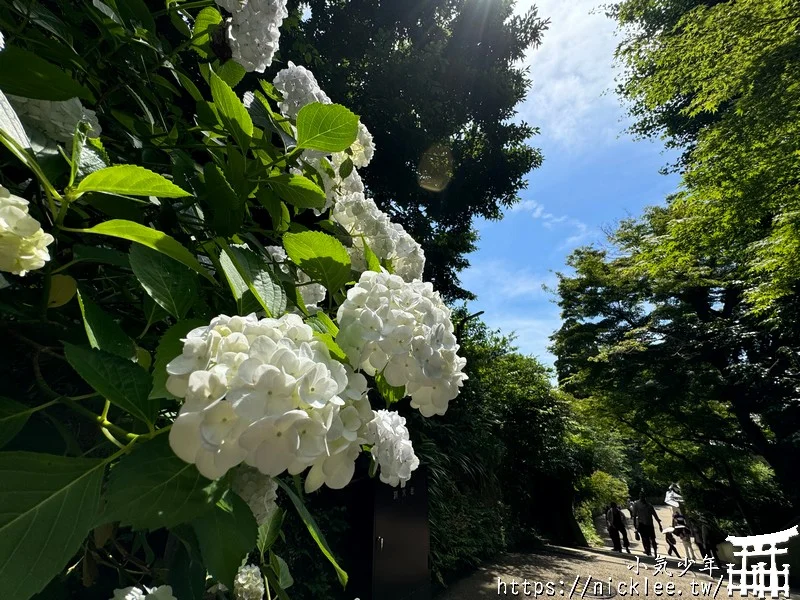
(582, 232)
(572, 71)
(496, 282)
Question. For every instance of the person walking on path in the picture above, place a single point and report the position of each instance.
(615, 521)
(682, 531)
(643, 514)
(671, 543)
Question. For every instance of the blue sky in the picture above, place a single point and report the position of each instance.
(593, 175)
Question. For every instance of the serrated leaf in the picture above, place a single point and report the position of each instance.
(232, 112)
(227, 209)
(152, 238)
(260, 280)
(373, 263)
(298, 191)
(23, 73)
(226, 535)
(169, 347)
(246, 301)
(13, 416)
(334, 348)
(269, 532)
(389, 393)
(103, 332)
(122, 382)
(165, 280)
(321, 256)
(326, 127)
(48, 505)
(152, 488)
(314, 530)
(130, 180)
(231, 72)
(204, 25)
(281, 570)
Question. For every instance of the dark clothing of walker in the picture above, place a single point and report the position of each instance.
(671, 543)
(643, 514)
(615, 521)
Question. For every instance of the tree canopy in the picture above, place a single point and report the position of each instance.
(721, 81)
(438, 82)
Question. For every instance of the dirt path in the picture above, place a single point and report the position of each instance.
(584, 574)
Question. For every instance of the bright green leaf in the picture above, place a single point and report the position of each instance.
(205, 24)
(62, 289)
(320, 256)
(298, 191)
(226, 536)
(152, 238)
(246, 301)
(334, 348)
(231, 72)
(49, 504)
(167, 281)
(103, 332)
(23, 73)
(234, 115)
(260, 280)
(130, 180)
(326, 127)
(313, 529)
(152, 488)
(389, 393)
(122, 382)
(373, 263)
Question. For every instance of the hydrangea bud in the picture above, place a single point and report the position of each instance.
(249, 583)
(23, 244)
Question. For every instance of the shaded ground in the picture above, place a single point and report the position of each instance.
(583, 574)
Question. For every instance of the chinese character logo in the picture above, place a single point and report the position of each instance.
(759, 578)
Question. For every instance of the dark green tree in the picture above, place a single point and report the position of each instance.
(437, 83)
(674, 357)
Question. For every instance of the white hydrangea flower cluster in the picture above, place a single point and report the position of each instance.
(259, 491)
(163, 592)
(347, 434)
(264, 392)
(403, 330)
(23, 244)
(313, 293)
(254, 31)
(391, 447)
(56, 119)
(337, 186)
(299, 87)
(249, 583)
(360, 216)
